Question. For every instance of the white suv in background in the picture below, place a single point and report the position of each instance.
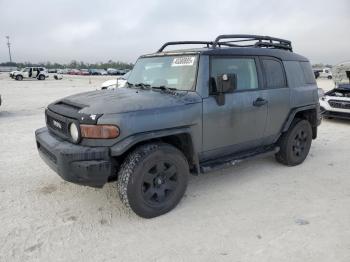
(39, 73)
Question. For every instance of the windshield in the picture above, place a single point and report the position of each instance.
(175, 72)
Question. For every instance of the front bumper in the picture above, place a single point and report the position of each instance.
(89, 166)
(328, 111)
(335, 114)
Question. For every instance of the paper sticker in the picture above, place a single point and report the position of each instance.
(183, 61)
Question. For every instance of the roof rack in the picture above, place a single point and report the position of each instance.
(259, 42)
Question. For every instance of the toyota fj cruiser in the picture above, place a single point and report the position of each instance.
(185, 111)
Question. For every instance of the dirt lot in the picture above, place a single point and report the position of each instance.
(256, 211)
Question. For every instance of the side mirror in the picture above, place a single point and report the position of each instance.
(226, 83)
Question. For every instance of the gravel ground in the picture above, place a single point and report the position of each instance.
(256, 211)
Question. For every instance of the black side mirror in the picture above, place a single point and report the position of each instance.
(226, 83)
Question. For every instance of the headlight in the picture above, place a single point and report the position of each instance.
(74, 132)
(99, 131)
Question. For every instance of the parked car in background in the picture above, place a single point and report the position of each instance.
(115, 83)
(84, 72)
(113, 71)
(323, 73)
(39, 73)
(98, 72)
(74, 72)
(336, 102)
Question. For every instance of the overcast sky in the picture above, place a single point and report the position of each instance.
(92, 31)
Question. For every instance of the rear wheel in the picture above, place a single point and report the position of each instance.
(41, 77)
(19, 77)
(295, 143)
(153, 179)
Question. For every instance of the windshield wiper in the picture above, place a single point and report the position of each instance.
(142, 85)
(164, 88)
(129, 84)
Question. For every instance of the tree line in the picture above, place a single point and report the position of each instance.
(73, 65)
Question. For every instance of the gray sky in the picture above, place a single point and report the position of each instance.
(92, 31)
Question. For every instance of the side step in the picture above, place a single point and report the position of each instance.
(231, 160)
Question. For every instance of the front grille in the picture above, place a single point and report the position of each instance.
(339, 104)
(57, 124)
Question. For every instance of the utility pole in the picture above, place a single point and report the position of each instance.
(9, 46)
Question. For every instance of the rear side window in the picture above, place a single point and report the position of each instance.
(274, 74)
(244, 68)
(299, 73)
(309, 76)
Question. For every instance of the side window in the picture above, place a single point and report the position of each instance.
(308, 73)
(299, 73)
(244, 68)
(274, 74)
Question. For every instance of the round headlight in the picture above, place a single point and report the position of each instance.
(74, 132)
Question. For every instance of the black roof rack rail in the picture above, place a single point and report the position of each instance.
(236, 41)
(207, 43)
(261, 41)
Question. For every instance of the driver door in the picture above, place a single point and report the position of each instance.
(239, 124)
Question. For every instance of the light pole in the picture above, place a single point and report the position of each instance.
(9, 46)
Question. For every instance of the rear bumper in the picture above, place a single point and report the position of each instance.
(89, 166)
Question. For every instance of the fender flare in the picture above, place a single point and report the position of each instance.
(124, 145)
(292, 114)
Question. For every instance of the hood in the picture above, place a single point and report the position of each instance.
(124, 100)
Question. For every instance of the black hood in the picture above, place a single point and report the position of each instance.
(122, 100)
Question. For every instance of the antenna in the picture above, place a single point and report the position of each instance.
(9, 46)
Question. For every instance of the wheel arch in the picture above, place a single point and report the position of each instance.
(180, 138)
(309, 113)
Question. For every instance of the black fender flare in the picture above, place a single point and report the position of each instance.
(294, 111)
(124, 145)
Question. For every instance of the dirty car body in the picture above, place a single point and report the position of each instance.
(216, 105)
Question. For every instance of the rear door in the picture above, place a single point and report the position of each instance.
(278, 94)
(239, 124)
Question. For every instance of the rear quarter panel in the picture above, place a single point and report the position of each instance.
(301, 93)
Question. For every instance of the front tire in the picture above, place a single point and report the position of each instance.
(19, 77)
(295, 143)
(153, 179)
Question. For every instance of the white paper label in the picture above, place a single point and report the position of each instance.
(183, 61)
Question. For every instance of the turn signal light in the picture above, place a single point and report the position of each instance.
(99, 131)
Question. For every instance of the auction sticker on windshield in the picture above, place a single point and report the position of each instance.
(183, 61)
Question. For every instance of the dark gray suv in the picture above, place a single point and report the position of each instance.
(185, 111)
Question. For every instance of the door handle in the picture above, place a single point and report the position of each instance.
(260, 102)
